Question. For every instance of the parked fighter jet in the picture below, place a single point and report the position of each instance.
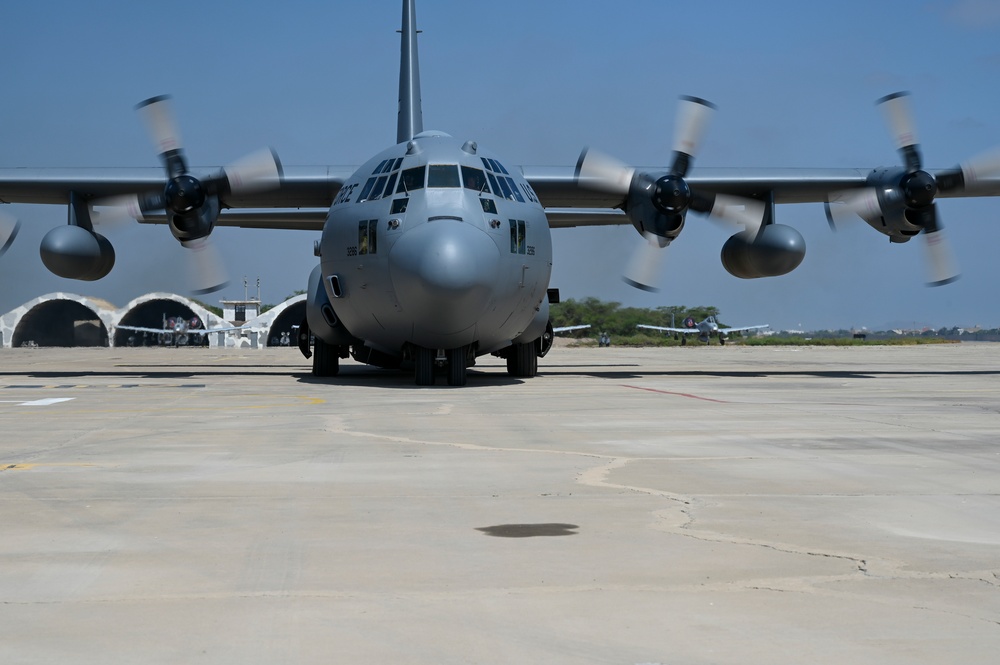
(704, 329)
(437, 251)
(177, 330)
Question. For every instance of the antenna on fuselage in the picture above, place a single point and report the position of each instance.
(411, 121)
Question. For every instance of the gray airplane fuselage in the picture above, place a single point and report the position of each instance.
(433, 243)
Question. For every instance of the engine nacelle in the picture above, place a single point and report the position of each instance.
(320, 315)
(196, 223)
(777, 250)
(893, 217)
(74, 252)
(646, 210)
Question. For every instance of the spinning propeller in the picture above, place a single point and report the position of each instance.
(905, 197)
(190, 203)
(9, 226)
(657, 206)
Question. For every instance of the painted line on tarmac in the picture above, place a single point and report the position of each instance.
(27, 466)
(668, 392)
(77, 386)
(38, 402)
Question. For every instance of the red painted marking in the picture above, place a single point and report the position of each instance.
(667, 392)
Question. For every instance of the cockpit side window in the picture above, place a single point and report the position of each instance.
(411, 179)
(474, 179)
(377, 189)
(493, 182)
(443, 175)
(363, 196)
(503, 184)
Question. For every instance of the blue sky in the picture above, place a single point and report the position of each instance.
(536, 81)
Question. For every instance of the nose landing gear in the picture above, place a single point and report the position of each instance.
(455, 361)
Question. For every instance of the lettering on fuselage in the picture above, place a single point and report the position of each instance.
(345, 193)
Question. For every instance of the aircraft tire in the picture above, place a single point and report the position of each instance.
(326, 361)
(457, 366)
(684, 340)
(522, 361)
(722, 340)
(423, 366)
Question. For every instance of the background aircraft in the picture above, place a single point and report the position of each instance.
(177, 330)
(704, 329)
(422, 318)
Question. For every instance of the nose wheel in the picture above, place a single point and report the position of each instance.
(424, 361)
(423, 366)
(457, 360)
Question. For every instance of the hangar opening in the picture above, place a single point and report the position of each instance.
(281, 332)
(175, 319)
(60, 323)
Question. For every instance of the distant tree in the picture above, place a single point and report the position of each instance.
(612, 318)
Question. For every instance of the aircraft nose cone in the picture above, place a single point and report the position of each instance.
(444, 272)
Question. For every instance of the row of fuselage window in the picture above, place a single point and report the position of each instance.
(368, 236)
(387, 177)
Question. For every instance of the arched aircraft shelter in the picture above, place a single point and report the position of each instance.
(60, 322)
(153, 313)
(292, 315)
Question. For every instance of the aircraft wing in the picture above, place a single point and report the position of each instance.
(743, 328)
(307, 192)
(570, 204)
(568, 328)
(685, 331)
(189, 331)
(301, 186)
(156, 331)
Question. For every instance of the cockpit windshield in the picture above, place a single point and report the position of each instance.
(443, 175)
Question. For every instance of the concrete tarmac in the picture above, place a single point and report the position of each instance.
(688, 505)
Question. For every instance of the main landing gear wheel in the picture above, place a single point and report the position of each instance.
(456, 366)
(522, 361)
(423, 366)
(326, 359)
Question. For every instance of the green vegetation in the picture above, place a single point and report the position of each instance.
(612, 318)
(620, 323)
(212, 308)
(800, 340)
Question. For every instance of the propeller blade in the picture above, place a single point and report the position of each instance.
(863, 203)
(256, 171)
(692, 115)
(9, 227)
(829, 216)
(116, 209)
(643, 269)
(982, 165)
(207, 268)
(943, 269)
(159, 118)
(739, 210)
(896, 108)
(604, 172)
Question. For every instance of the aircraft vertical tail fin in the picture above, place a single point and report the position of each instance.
(411, 120)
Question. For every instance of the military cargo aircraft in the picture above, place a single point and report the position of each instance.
(437, 250)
